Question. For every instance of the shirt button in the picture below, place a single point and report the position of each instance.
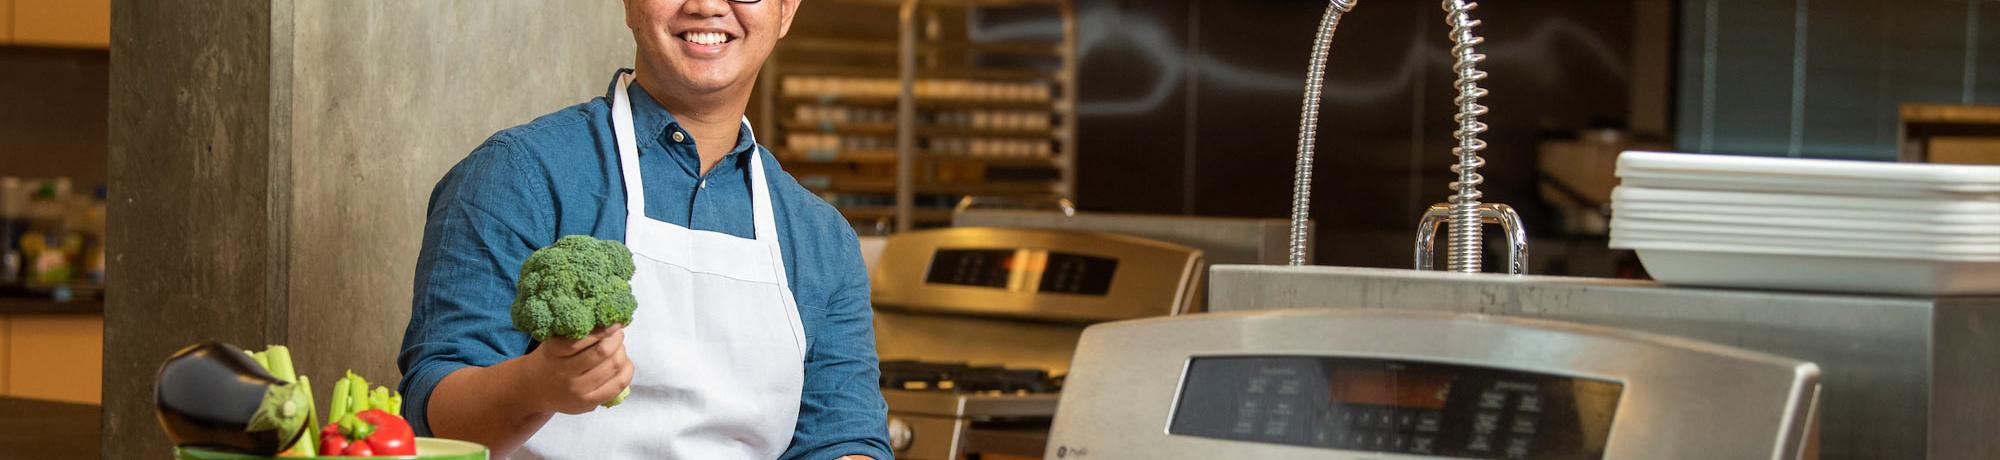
(678, 137)
(703, 185)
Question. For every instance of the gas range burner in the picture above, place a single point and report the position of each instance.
(965, 378)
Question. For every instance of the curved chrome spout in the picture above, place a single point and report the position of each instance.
(1309, 125)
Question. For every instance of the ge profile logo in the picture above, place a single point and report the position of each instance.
(1065, 451)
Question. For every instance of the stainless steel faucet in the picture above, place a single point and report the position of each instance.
(1465, 215)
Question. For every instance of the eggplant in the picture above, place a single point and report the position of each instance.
(212, 395)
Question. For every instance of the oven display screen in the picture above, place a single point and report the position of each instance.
(1078, 274)
(972, 267)
(1396, 406)
(1058, 272)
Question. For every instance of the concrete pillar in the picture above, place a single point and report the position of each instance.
(270, 163)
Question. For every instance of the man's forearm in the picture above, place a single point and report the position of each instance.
(478, 404)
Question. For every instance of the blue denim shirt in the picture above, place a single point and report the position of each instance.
(559, 175)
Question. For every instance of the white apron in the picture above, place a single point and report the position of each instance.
(716, 341)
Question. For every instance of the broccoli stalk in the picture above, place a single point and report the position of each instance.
(574, 287)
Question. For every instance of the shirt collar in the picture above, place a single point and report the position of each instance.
(654, 122)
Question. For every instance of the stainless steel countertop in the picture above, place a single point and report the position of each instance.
(1905, 377)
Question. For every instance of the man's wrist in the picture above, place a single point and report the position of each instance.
(518, 388)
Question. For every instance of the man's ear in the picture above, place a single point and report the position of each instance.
(629, 14)
(786, 9)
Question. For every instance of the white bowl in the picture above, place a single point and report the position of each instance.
(1800, 244)
(1871, 178)
(1766, 268)
(1783, 225)
(1860, 215)
(1941, 206)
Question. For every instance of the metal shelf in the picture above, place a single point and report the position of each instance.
(819, 156)
(957, 131)
(885, 156)
(960, 3)
(982, 73)
(890, 47)
(1053, 106)
(804, 126)
(857, 184)
(918, 59)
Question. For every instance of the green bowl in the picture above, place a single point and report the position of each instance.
(427, 449)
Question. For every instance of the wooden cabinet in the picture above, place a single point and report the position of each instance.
(3, 355)
(70, 23)
(6, 21)
(56, 356)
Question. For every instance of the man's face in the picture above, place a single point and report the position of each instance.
(706, 46)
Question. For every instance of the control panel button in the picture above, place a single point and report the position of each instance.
(1480, 443)
(1529, 403)
(1486, 422)
(1523, 424)
(1406, 420)
(1276, 427)
(900, 434)
(1288, 387)
(1493, 400)
(1517, 447)
(1423, 444)
(1430, 421)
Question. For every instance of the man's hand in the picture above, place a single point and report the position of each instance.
(575, 376)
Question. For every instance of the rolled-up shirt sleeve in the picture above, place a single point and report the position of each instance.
(841, 411)
(485, 217)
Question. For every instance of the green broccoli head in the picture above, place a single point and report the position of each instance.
(573, 287)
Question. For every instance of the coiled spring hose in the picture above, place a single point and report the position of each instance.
(1309, 125)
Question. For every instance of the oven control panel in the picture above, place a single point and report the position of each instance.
(1043, 275)
(1395, 406)
(1362, 384)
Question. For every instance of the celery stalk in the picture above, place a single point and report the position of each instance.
(338, 403)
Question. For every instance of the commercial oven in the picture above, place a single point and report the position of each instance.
(1387, 384)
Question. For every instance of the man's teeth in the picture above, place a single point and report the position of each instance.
(706, 38)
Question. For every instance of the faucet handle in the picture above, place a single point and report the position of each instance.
(1489, 213)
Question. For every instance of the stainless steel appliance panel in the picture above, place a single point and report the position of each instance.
(1035, 274)
(1679, 398)
(1905, 377)
(1222, 240)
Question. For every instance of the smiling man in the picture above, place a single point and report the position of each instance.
(753, 335)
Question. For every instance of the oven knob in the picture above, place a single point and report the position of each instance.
(899, 435)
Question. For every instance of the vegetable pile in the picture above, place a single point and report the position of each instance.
(574, 287)
(219, 396)
(365, 423)
(215, 395)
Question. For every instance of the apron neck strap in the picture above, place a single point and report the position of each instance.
(762, 216)
(760, 198)
(628, 148)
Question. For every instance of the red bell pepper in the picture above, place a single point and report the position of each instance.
(372, 432)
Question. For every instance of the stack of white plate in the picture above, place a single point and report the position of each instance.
(1823, 225)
